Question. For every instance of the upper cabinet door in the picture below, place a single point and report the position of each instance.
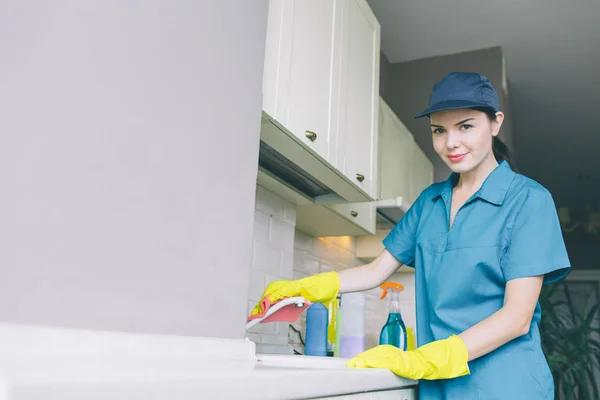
(396, 151)
(421, 174)
(298, 75)
(358, 89)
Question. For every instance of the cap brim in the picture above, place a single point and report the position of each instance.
(449, 105)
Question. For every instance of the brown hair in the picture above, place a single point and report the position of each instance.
(500, 149)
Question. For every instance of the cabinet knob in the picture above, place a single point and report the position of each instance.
(354, 213)
(311, 136)
(360, 177)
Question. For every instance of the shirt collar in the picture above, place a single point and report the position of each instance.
(494, 187)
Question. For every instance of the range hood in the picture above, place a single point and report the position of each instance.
(392, 210)
(388, 214)
(297, 173)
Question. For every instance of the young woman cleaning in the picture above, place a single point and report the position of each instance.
(482, 244)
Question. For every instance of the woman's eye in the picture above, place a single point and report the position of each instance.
(466, 127)
(438, 130)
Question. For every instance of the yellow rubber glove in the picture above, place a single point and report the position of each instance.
(442, 359)
(321, 288)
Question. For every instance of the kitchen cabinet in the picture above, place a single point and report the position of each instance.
(398, 394)
(421, 173)
(351, 219)
(299, 69)
(359, 95)
(321, 81)
(396, 153)
(405, 170)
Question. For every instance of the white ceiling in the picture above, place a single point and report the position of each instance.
(552, 51)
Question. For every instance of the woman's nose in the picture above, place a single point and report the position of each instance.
(452, 141)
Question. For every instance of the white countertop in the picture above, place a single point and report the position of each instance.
(319, 377)
(52, 363)
(269, 379)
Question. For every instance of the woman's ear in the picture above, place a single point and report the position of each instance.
(497, 123)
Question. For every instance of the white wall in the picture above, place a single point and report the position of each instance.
(281, 252)
(128, 162)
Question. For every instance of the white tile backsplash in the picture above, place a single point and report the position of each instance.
(269, 203)
(281, 252)
(273, 258)
(286, 270)
(303, 242)
(261, 226)
(289, 214)
(307, 263)
(281, 234)
(257, 285)
(299, 274)
(266, 258)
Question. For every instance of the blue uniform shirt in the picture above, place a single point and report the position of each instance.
(508, 229)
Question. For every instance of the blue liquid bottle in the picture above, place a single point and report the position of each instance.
(317, 320)
(394, 330)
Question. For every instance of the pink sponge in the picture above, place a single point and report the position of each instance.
(287, 313)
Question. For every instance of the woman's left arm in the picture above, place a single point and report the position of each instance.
(508, 323)
(448, 358)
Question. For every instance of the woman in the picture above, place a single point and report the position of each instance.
(482, 244)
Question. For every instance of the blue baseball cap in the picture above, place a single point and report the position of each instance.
(462, 90)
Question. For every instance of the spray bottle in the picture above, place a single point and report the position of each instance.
(394, 330)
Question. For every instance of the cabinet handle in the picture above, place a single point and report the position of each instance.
(360, 177)
(354, 213)
(311, 136)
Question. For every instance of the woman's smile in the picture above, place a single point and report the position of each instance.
(456, 157)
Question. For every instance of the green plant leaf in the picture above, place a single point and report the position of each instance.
(569, 342)
(591, 315)
(592, 384)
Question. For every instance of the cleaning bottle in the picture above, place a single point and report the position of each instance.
(332, 328)
(394, 330)
(338, 325)
(352, 325)
(316, 330)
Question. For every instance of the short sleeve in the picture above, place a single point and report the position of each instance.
(536, 245)
(401, 241)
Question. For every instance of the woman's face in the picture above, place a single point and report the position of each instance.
(463, 138)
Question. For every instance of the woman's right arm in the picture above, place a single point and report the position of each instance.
(370, 275)
(325, 287)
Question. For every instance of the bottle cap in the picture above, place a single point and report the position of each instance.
(390, 286)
